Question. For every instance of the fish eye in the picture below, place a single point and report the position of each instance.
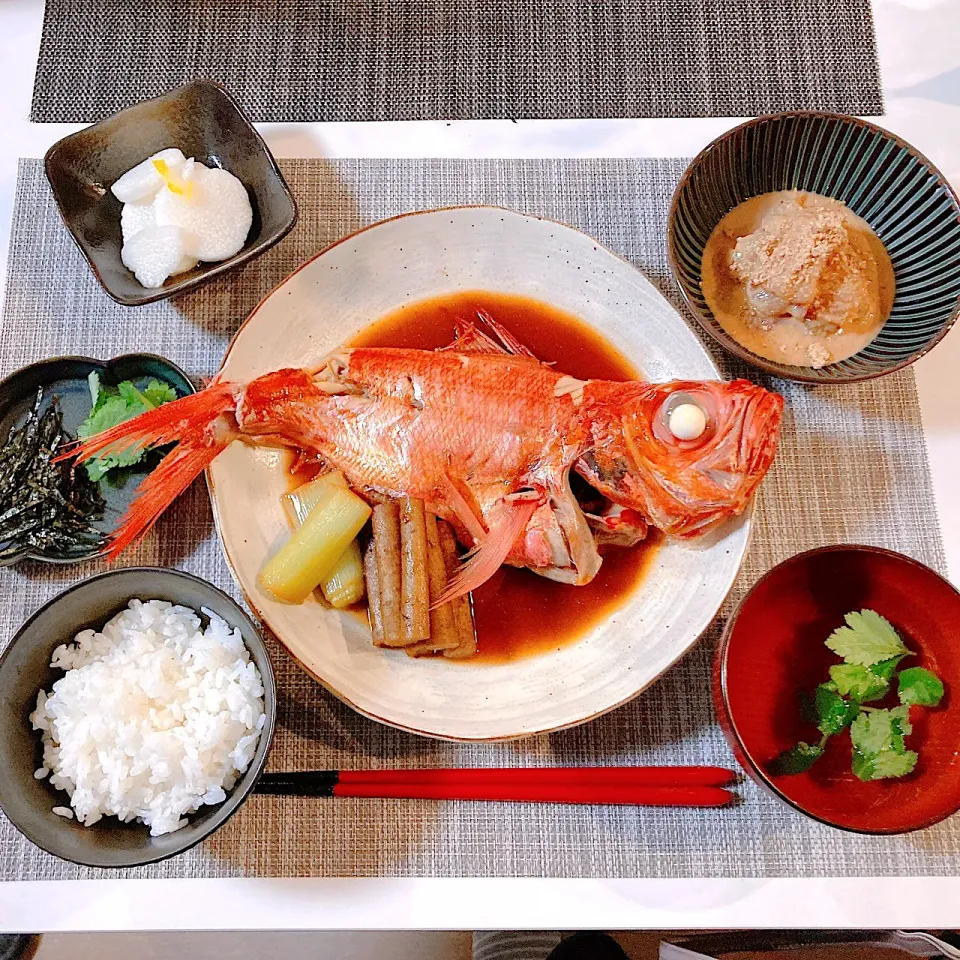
(682, 418)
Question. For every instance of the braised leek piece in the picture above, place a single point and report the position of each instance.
(344, 586)
(312, 552)
(298, 503)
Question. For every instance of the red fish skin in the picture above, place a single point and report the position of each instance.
(419, 420)
(411, 422)
(682, 488)
(486, 439)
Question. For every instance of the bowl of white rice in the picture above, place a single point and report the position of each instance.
(137, 712)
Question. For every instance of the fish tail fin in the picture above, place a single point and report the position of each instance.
(176, 472)
(186, 422)
(168, 423)
(492, 550)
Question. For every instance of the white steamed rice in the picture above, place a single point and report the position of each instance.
(153, 718)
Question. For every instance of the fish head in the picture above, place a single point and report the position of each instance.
(682, 486)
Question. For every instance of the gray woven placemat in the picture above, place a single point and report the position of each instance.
(812, 496)
(290, 60)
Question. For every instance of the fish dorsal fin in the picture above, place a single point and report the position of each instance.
(487, 558)
(510, 343)
(469, 338)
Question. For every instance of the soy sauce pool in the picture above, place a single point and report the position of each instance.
(552, 335)
(517, 613)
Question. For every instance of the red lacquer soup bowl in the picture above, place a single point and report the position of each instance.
(772, 653)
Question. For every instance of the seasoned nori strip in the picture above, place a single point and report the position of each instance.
(44, 505)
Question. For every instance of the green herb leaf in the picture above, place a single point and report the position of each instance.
(867, 638)
(880, 766)
(93, 382)
(879, 750)
(861, 683)
(115, 405)
(157, 393)
(873, 732)
(888, 764)
(900, 720)
(919, 686)
(796, 760)
(833, 712)
(885, 668)
(878, 730)
(110, 411)
(862, 765)
(132, 396)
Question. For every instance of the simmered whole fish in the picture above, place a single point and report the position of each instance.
(486, 436)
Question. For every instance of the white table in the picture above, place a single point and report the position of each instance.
(920, 62)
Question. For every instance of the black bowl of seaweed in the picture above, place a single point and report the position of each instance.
(57, 511)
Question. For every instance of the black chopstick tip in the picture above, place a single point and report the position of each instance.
(308, 783)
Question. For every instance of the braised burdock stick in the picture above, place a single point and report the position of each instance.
(410, 559)
(414, 586)
(373, 594)
(443, 633)
(460, 608)
(386, 542)
(443, 625)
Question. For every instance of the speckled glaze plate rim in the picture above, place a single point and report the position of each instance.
(745, 520)
(104, 366)
(726, 341)
(731, 728)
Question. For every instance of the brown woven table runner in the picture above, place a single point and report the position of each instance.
(291, 60)
(852, 467)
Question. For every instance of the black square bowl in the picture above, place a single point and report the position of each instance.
(203, 121)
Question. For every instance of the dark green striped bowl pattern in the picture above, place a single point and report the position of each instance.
(903, 197)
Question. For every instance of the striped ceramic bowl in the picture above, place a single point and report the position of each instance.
(903, 197)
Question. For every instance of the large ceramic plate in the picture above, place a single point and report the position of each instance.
(412, 258)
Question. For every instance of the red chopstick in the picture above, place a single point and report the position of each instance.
(636, 796)
(643, 786)
(640, 776)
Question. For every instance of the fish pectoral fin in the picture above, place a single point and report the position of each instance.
(463, 504)
(469, 338)
(485, 559)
